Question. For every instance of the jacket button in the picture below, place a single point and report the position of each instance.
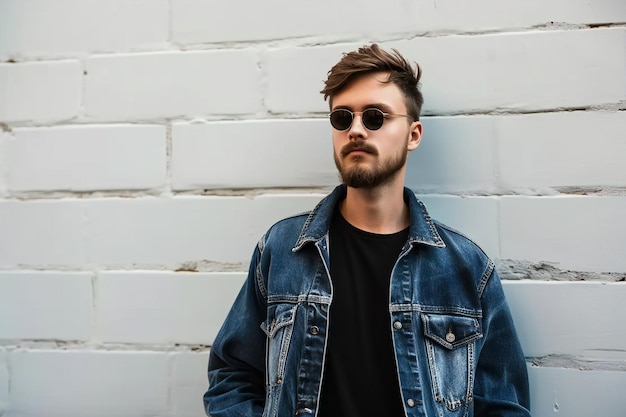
(397, 325)
(410, 402)
(314, 330)
(450, 337)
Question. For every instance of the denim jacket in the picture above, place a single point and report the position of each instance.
(456, 348)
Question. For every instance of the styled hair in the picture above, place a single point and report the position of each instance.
(370, 59)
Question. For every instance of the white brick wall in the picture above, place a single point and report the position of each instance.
(113, 232)
(195, 21)
(226, 154)
(46, 382)
(513, 71)
(35, 29)
(569, 328)
(157, 317)
(571, 392)
(46, 305)
(188, 383)
(562, 149)
(446, 159)
(145, 146)
(40, 91)
(191, 84)
(520, 152)
(42, 232)
(578, 232)
(87, 158)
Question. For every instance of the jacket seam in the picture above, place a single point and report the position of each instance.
(260, 281)
(482, 284)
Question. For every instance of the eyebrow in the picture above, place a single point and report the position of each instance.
(382, 106)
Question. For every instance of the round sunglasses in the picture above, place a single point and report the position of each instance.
(372, 119)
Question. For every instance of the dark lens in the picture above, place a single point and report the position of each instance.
(373, 119)
(341, 119)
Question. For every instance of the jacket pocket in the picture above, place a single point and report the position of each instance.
(451, 361)
(279, 328)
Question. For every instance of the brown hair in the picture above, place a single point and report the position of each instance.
(370, 59)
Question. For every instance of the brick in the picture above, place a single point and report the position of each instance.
(172, 84)
(185, 308)
(86, 158)
(39, 232)
(554, 318)
(216, 231)
(189, 383)
(582, 233)
(44, 29)
(577, 393)
(75, 383)
(475, 217)
(562, 149)
(45, 305)
(40, 91)
(195, 21)
(455, 154)
(513, 71)
(250, 154)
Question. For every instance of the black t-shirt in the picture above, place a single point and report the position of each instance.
(360, 376)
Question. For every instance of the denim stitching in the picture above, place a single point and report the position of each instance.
(485, 278)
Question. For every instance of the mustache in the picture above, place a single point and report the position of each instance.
(358, 146)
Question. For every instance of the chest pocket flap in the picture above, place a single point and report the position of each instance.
(278, 316)
(451, 331)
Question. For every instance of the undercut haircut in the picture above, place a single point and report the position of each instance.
(371, 59)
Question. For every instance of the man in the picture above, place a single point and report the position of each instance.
(366, 306)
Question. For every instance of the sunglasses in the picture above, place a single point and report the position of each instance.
(372, 119)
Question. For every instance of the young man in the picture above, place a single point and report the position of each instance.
(366, 306)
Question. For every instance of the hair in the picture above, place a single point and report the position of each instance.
(370, 59)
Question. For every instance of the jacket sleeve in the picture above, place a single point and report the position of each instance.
(501, 381)
(236, 368)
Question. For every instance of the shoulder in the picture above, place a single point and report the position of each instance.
(285, 231)
(458, 240)
(466, 254)
(466, 257)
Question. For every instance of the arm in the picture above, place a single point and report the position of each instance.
(237, 359)
(501, 384)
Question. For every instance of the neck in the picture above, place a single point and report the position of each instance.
(379, 210)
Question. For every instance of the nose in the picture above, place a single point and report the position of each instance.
(357, 130)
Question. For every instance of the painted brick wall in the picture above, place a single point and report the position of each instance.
(145, 146)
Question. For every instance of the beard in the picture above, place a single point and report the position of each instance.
(359, 175)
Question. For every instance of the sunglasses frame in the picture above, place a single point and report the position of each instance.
(363, 122)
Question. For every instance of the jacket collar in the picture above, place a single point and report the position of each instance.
(422, 229)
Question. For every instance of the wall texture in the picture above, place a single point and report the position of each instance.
(145, 145)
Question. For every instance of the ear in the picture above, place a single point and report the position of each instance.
(415, 136)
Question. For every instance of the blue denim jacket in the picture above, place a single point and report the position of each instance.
(456, 347)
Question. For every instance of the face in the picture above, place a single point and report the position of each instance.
(372, 158)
